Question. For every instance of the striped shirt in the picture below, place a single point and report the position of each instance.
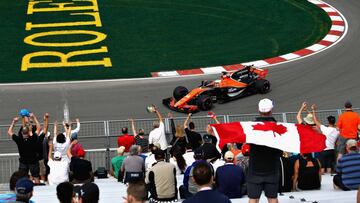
(349, 169)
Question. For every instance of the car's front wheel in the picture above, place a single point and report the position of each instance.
(180, 92)
(204, 102)
(262, 86)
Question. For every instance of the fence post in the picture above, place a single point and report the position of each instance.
(167, 125)
(339, 112)
(284, 117)
(107, 153)
(226, 118)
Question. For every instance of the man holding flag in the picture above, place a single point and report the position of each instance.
(267, 140)
(264, 162)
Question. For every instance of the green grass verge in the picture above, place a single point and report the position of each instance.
(148, 36)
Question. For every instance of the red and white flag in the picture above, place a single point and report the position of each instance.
(288, 137)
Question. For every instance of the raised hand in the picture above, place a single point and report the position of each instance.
(304, 106)
(170, 115)
(16, 119)
(313, 107)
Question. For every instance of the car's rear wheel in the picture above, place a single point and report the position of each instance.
(263, 86)
(204, 102)
(180, 92)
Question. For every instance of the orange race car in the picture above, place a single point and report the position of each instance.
(246, 81)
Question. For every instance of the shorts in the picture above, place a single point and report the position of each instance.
(42, 167)
(341, 145)
(327, 158)
(34, 169)
(254, 190)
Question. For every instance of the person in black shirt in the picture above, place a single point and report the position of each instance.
(26, 141)
(209, 149)
(140, 138)
(307, 175)
(264, 163)
(42, 147)
(179, 140)
(80, 169)
(193, 137)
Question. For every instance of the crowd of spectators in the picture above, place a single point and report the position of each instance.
(149, 166)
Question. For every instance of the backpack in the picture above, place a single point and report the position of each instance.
(101, 172)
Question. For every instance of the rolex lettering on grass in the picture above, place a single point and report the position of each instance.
(71, 37)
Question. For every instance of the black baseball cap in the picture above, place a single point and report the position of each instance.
(89, 192)
(347, 104)
(207, 138)
(199, 153)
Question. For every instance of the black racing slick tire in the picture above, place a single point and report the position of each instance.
(262, 86)
(204, 102)
(180, 92)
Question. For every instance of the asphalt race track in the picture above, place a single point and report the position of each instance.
(328, 79)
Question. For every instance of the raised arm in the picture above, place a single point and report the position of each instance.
(313, 111)
(77, 129)
(158, 114)
(11, 128)
(132, 122)
(24, 121)
(46, 123)
(187, 120)
(172, 123)
(68, 152)
(50, 150)
(55, 129)
(214, 117)
(302, 108)
(38, 126)
(67, 128)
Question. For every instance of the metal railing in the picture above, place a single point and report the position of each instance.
(9, 163)
(102, 135)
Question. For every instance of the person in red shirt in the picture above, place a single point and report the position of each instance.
(125, 139)
(348, 125)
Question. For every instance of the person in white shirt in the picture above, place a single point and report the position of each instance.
(157, 135)
(59, 170)
(189, 156)
(75, 131)
(327, 157)
(150, 159)
(61, 141)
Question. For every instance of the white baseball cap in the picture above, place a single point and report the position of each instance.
(229, 155)
(57, 155)
(265, 105)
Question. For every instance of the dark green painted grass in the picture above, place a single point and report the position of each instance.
(148, 36)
